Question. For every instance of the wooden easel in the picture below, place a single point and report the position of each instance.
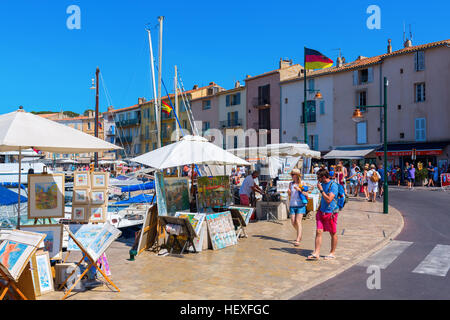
(92, 264)
(9, 284)
(43, 221)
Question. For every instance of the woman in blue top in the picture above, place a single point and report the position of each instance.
(298, 198)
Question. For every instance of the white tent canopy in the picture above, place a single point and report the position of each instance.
(20, 129)
(279, 149)
(189, 150)
(348, 154)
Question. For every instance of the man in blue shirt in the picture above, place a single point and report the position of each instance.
(326, 217)
(381, 181)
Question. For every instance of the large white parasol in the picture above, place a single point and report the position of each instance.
(22, 130)
(189, 150)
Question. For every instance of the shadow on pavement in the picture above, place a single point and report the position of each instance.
(271, 238)
(298, 251)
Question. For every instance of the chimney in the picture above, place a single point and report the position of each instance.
(195, 87)
(141, 100)
(110, 108)
(339, 62)
(408, 43)
(284, 63)
(247, 76)
(237, 84)
(211, 83)
(389, 47)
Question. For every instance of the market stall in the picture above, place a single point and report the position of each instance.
(275, 162)
(193, 199)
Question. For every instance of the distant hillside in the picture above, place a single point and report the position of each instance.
(70, 114)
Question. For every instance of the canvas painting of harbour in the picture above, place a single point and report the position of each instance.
(177, 194)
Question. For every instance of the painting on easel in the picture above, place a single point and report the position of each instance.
(45, 196)
(16, 251)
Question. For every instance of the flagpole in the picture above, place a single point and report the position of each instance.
(304, 98)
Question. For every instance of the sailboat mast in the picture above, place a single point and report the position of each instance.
(160, 19)
(155, 102)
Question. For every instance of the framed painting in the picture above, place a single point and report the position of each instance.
(81, 179)
(160, 194)
(177, 194)
(80, 196)
(213, 192)
(221, 230)
(53, 239)
(43, 276)
(99, 180)
(102, 241)
(79, 213)
(16, 251)
(84, 233)
(45, 196)
(97, 213)
(98, 197)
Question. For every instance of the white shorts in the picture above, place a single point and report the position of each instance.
(372, 187)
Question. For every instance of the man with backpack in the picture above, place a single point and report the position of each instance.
(372, 179)
(326, 217)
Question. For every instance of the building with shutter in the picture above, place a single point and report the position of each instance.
(418, 104)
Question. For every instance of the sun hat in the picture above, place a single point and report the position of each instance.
(296, 171)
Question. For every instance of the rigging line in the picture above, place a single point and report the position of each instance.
(105, 89)
(188, 107)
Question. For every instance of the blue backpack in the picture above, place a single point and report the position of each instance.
(340, 201)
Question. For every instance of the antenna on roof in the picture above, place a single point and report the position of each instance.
(404, 39)
(410, 33)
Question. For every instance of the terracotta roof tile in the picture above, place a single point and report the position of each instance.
(370, 61)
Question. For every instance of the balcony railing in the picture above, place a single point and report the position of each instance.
(128, 122)
(259, 102)
(261, 125)
(231, 123)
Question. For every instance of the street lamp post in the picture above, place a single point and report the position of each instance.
(357, 117)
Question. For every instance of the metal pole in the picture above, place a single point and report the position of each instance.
(96, 114)
(385, 184)
(304, 99)
(176, 103)
(18, 201)
(160, 19)
(155, 103)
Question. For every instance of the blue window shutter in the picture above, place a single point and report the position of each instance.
(228, 100)
(238, 98)
(370, 75)
(355, 77)
(322, 107)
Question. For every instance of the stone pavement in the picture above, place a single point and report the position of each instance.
(265, 265)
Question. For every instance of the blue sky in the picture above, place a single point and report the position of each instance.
(46, 66)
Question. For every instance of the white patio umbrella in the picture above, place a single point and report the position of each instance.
(22, 130)
(189, 150)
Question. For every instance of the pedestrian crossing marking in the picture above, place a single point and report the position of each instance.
(386, 256)
(436, 263)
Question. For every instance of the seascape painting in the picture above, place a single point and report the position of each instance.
(84, 233)
(44, 271)
(52, 240)
(46, 196)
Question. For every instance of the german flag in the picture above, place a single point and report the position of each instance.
(166, 108)
(315, 60)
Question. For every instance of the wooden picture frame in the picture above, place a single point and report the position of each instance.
(97, 213)
(98, 197)
(99, 180)
(46, 196)
(80, 196)
(77, 216)
(53, 239)
(42, 273)
(81, 179)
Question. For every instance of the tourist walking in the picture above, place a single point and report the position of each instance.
(364, 181)
(298, 199)
(430, 170)
(326, 216)
(381, 181)
(247, 187)
(411, 176)
(353, 179)
(373, 177)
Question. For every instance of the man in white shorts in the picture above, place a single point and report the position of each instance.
(372, 182)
